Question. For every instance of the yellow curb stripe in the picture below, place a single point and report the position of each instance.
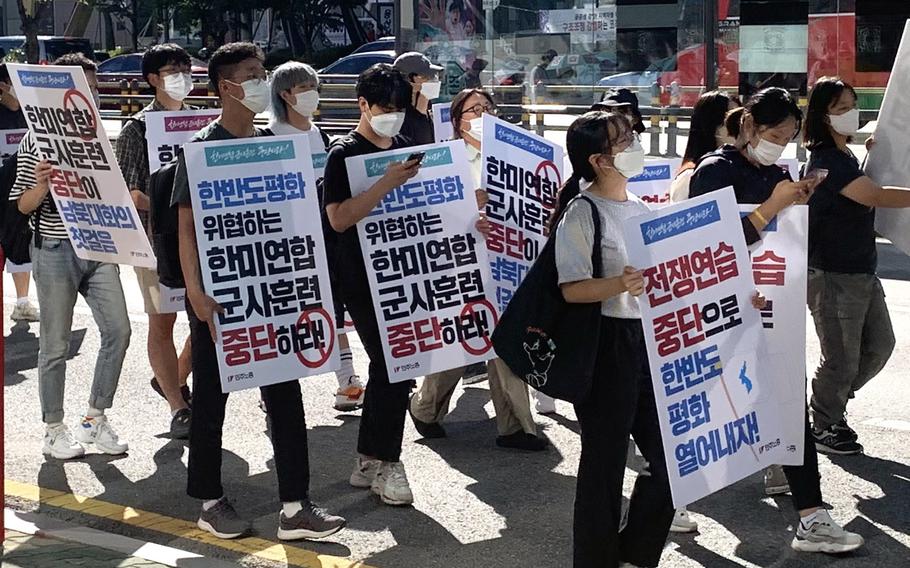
(180, 528)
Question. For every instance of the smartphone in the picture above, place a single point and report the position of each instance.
(416, 156)
(817, 176)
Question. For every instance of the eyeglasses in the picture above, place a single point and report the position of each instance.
(479, 109)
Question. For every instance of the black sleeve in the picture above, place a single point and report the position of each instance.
(842, 169)
(717, 173)
(326, 141)
(336, 182)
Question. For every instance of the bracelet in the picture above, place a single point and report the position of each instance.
(761, 217)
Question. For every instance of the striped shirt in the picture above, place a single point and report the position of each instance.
(51, 225)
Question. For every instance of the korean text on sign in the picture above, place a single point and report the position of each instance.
(167, 131)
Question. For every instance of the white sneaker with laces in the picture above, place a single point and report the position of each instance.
(25, 312)
(60, 444)
(364, 473)
(682, 523)
(391, 484)
(97, 430)
(544, 404)
(349, 395)
(825, 535)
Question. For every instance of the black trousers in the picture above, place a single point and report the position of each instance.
(804, 480)
(284, 405)
(385, 404)
(621, 402)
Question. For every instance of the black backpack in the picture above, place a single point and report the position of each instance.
(15, 233)
(163, 220)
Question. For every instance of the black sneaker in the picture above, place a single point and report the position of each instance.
(845, 430)
(222, 520)
(522, 441)
(180, 424)
(428, 430)
(311, 522)
(184, 391)
(473, 374)
(836, 441)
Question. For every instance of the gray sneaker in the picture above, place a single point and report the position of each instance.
(222, 520)
(180, 424)
(311, 522)
(776, 481)
(824, 535)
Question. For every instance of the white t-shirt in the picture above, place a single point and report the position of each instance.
(679, 187)
(313, 134)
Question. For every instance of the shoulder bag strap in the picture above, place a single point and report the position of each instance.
(596, 256)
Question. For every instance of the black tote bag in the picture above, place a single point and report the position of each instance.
(547, 342)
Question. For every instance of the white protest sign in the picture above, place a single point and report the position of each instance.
(171, 300)
(653, 184)
(86, 182)
(522, 174)
(442, 121)
(717, 403)
(262, 257)
(887, 163)
(168, 130)
(426, 262)
(9, 141)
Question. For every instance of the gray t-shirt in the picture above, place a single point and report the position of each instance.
(575, 242)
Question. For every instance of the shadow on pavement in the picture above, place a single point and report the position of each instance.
(893, 478)
(21, 351)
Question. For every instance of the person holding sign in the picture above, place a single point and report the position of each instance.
(166, 68)
(239, 79)
(845, 296)
(295, 98)
(605, 153)
(430, 404)
(770, 121)
(60, 276)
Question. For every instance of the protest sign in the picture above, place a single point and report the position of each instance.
(86, 183)
(442, 121)
(522, 173)
(262, 257)
(887, 163)
(168, 130)
(9, 141)
(425, 262)
(653, 184)
(718, 405)
(171, 300)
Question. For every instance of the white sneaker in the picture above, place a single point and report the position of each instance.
(824, 535)
(391, 484)
(349, 395)
(97, 430)
(364, 473)
(25, 312)
(60, 444)
(682, 523)
(544, 404)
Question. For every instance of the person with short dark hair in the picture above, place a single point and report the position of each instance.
(238, 76)
(166, 68)
(425, 86)
(845, 295)
(60, 276)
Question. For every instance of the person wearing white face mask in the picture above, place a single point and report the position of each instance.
(295, 99)
(166, 68)
(425, 87)
(845, 295)
(770, 121)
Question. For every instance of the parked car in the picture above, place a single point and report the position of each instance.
(382, 44)
(50, 47)
(354, 65)
(129, 66)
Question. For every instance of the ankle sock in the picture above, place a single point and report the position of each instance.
(347, 368)
(292, 508)
(206, 505)
(23, 301)
(94, 413)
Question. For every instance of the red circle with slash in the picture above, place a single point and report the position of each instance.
(305, 319)
(542, 168)
(470, 310)
(70, 103)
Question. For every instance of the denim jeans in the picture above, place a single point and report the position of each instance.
(59, 277)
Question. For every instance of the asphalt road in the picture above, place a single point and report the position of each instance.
(475, 505)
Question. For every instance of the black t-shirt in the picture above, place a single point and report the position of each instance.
(841, 231)
(337, 188)
(752, 184)
(11, 119)
(417, 127)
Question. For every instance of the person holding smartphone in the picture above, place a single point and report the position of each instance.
(770, 121)
(845, 296)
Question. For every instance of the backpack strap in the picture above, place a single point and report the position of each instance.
(596, 256)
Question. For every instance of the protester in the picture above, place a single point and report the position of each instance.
(845, 296)
(11, 118)
(605, 153)
(770, 121)
(541, 76)
(470, 79)
(429, 405)
(60, 276)
(425, 86)
(295, 98)
(238, 78)
(166, 68)
(625, 102)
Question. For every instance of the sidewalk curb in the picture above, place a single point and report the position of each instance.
(43, 526)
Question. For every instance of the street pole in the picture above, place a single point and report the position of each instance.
(710, 26)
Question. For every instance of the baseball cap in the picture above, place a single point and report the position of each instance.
(415, 63)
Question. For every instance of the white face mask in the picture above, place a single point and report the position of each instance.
(845, 124)
(430, 89)
(178, 85)
(257, 95)
(476, 130)
(388, 124)
(307, 103)
(631, 161)
(766, 153)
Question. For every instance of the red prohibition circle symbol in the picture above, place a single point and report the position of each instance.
(74, 100)
(542, 169)
(305, 319)
(469, 310)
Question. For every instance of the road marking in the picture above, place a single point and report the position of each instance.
(252, 546)
(888, 424)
